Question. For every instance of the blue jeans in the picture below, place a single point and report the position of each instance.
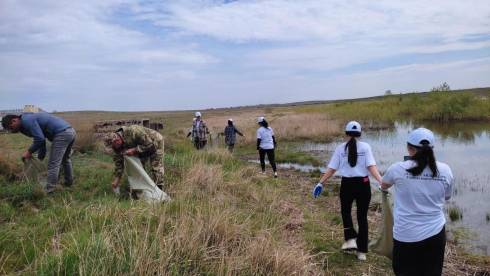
(59, 155)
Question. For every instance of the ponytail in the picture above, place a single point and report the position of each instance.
(264, 123)
(351, 146)
(424, 157)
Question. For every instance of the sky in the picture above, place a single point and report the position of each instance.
(134, 55)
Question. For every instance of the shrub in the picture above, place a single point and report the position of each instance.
(455, 214)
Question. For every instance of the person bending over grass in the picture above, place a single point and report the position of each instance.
(147, 144)
(421, 185)
(353, 160)
(42, 126)
(266, 144)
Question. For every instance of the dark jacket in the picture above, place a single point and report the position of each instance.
(230, 135)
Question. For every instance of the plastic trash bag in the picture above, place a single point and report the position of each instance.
(384, 244)
(35, 171)
(140, 181)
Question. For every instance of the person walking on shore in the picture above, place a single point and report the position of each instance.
(230, 135)
(421, 185)
(353, 160)
(41, 127)
(266, 144)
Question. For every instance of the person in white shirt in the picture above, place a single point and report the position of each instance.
(266, 143)
(353, 160)
(421, 185)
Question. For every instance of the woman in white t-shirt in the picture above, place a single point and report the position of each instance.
(266, 143)
(354, 161)
(421, 185)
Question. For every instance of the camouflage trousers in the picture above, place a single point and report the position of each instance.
(155, 164)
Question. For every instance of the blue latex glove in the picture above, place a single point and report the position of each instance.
(317, 190)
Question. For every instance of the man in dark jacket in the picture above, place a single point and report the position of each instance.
(42, 126)
(230, 135)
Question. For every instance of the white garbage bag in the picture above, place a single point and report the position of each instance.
(384, 244)
(139, 180)
(35, 171)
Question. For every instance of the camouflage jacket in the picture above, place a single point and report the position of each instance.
(146, 141)
(200, 130)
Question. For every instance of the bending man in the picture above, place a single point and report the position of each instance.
(42, 126)
(135, 140)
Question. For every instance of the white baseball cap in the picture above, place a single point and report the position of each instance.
(231, 120)
(353, 126)
(198, 114)
(260, 119)
(417, 136)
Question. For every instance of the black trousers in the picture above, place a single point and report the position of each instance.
(270, 155)
(422, 258)
(200, 144)
(358, 189)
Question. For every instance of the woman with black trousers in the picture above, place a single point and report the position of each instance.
(353, 160)
(421, 185)
(266, 143)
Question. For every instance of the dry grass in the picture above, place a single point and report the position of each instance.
(220, 222)
(85, 140)
(287, 126)
(9, 168)
(315, 126)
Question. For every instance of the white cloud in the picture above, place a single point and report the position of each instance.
(105, 54)
(334, 20)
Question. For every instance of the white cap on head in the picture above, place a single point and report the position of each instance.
(231, 120)
(198, 114)
(420, 136)
(260, 119)
(353, 126)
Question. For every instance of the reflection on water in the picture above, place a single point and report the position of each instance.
(464, 146)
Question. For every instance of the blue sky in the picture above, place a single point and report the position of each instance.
(168, 55)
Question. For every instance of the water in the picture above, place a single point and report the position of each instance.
(464, 147)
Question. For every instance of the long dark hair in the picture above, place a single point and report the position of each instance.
(264, 123)
(230, 123)
(423, 157)
(351, 146)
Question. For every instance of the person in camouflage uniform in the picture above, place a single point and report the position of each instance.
(199, 132)
(139, 141)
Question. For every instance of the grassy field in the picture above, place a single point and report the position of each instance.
(224, 219)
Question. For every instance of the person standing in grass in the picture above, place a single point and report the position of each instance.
(353, 160)
(147, 144)
(421, 185)
(266, 144)
(199, 132)
(42, 127)
(230, 135)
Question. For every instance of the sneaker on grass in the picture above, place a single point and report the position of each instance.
(349, 245)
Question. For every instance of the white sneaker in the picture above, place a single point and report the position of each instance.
(361, 256)
(275, 174)
(349, 244)
(262, 172)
